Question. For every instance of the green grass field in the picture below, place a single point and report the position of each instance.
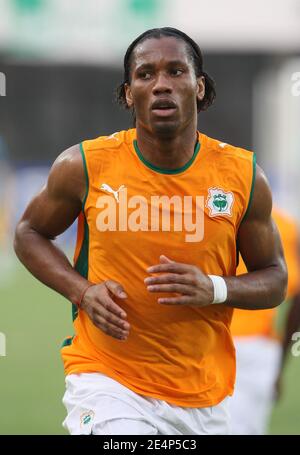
(35, 321)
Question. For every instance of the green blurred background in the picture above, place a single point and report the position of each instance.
(35, 321)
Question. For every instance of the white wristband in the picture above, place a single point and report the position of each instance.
(220, 289)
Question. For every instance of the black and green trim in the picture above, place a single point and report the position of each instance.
(85, 174)
(252, 185)
(82, 263)
(67, 341)
(167, 171)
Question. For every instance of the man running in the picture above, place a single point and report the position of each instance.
(162, 210)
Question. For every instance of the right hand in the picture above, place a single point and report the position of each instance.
(105, 314)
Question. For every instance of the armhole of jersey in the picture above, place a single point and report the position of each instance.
(82, 251)
(86, 176)
(237, 254)
(252, 187)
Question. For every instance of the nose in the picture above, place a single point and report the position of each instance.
(162, 84)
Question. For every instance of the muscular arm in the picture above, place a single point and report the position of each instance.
(260, 246)
(49, 214)
(259, 242)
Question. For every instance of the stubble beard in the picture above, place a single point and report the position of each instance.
(166, 130)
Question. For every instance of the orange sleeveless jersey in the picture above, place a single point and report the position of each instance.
(183, 355)
(261, 322)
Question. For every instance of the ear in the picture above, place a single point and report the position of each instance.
(128, 95)
(200, 88)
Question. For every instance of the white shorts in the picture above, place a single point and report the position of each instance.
(97, 404)
(257, 363)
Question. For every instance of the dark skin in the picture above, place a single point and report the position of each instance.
(49, 214)
(163, 71)
(166, 139)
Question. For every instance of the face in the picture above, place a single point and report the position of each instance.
(163, 88)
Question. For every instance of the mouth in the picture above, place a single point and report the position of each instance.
(163, 108)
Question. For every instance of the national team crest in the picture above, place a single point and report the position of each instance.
(219, 202)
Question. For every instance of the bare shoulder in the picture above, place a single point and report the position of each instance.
(59, 202)
(67, 176)
(261, 204)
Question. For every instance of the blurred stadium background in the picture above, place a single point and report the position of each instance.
(60, 61)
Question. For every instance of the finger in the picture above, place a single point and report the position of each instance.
(174, 287)
(167, 278)
(164, 259)
(110, 329)
(111, 306)
(113, 320)
(173, 267)
(182, 300)
(116, 289)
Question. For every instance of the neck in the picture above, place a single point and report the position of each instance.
(167, 153)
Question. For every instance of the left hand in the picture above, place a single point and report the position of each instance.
(193, 286)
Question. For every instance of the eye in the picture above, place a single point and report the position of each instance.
(144, 75)
(176, 71)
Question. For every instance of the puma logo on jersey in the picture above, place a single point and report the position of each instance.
(112, 136)
(222, 144)
(107, 188)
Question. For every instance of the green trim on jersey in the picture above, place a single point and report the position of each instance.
(252, 186)
(86, 175)
(67, 342)
(167, 171)
(82, 263)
